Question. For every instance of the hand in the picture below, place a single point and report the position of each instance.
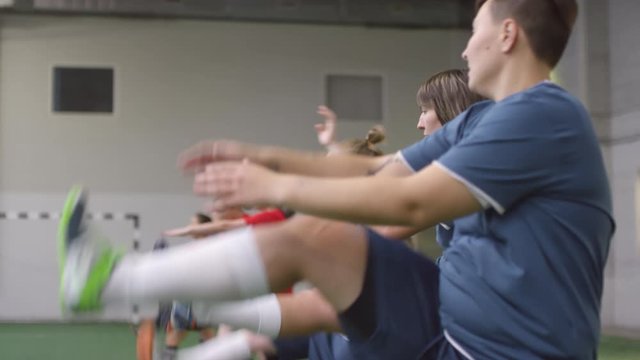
(224, 330)
(259, 344)
(178, 232)
(326, 131)
(239, 184)
(195, 158)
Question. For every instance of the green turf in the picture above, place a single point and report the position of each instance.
(117, 342)
(57, 342)
(615, 348)
(70, 341)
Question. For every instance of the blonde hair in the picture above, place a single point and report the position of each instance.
(366, 146)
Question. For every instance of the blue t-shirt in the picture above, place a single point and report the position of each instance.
(523, 278)
(430, 148)
(329, 346)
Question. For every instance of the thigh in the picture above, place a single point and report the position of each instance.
(329, 254)
(397, 312)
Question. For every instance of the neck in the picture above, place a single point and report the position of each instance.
(517, 76)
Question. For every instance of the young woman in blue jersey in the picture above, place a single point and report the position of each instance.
(521, 177)
(523, 180)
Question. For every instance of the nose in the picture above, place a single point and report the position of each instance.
(420, 125)
(464, 55)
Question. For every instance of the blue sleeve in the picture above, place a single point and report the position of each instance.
(422, 153)
(425, 151)
(509, 154)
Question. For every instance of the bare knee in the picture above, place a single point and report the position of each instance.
(330, 254)
(283, 254)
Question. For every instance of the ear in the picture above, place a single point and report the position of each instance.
(509, 32)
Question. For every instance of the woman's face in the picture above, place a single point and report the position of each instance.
(428, 121)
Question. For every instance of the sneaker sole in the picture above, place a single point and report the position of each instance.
(70, 224)
(69, 227)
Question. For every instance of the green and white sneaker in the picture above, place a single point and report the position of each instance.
(85, 264)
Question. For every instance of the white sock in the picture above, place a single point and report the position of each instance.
(234, 346)
(223, 267)
(260, 315)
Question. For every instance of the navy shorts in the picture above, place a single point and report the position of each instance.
(291, 348)
(396, 315)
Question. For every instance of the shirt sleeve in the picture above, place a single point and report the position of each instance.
(425, 151)
(510, 154)
(422, 153)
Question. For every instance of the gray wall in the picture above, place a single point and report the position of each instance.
(624, 35)
(601, 67)
(176, 82)
(28, 260)
(180, 81)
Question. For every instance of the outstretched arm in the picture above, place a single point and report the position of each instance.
(423, 199)
(279, 159)
(397, 232)
(206, 229)
(397, 167)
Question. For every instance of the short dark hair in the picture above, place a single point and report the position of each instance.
(547, 23)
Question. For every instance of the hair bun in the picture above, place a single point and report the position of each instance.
(376, 135)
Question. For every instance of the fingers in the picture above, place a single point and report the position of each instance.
(183, 231)
(218, 179)
(236, 183)
(327, 113)
(224, 183)
(195, 158)
(259, 343)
